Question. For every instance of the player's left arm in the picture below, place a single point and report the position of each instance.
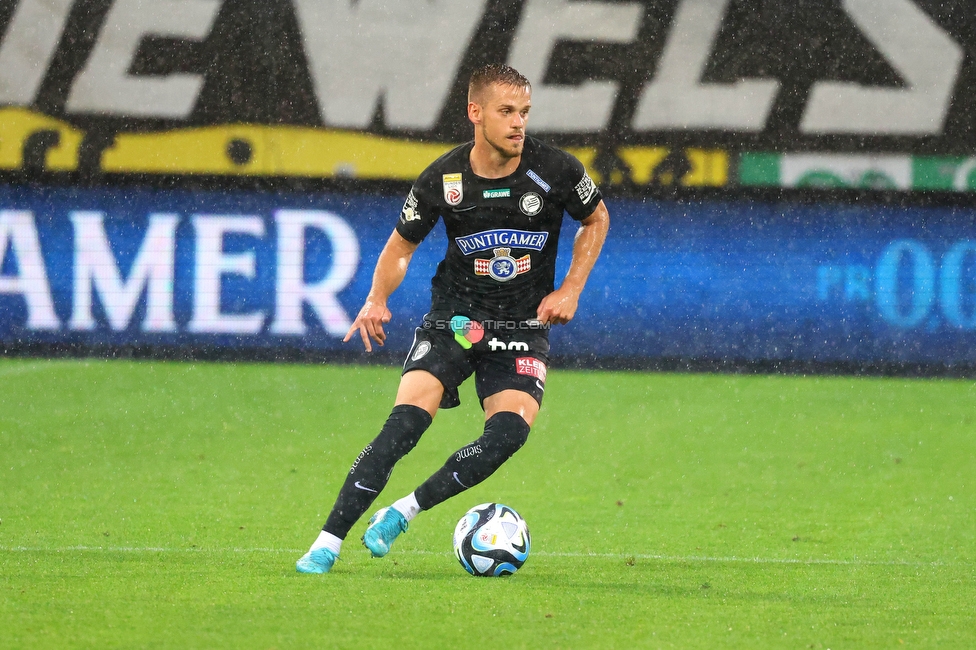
(560, 306)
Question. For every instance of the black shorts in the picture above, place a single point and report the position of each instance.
(513, 357)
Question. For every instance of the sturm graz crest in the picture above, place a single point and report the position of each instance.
(530, 204)
(502, 267)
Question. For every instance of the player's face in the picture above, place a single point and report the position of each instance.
(503, 117)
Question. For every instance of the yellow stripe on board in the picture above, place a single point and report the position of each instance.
(290, 151)
(17, 125)
(258, 150)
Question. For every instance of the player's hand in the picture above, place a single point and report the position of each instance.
(370, 322)
(558, 307)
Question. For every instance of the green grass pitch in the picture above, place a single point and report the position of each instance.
(163, 505)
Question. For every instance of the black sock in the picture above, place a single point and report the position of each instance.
(505, 433)
(373, 467)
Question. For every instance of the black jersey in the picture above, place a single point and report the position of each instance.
(502, 232)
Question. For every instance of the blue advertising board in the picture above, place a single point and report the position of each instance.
(727, 280)
(760, 281)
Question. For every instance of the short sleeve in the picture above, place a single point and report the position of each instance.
(418, 216)
(583, 195)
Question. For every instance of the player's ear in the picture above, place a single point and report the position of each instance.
(474, 112)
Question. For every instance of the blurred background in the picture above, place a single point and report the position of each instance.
(790, 182)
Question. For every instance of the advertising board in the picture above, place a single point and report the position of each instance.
(709, 280)
(649, 93)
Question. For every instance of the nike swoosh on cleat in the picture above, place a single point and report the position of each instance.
(363, 487)
(459, 481)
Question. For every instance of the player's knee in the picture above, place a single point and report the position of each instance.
(508, 432)
(402, 431)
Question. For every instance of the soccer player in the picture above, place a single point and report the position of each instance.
(502, 199)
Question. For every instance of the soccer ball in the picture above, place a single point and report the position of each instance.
(491, 540)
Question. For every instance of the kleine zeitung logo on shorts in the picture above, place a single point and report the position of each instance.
(530, 366)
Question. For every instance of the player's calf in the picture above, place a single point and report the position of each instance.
(372, 468)
(505, 433)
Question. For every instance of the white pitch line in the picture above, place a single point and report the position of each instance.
(24, 369)
(45, 365)
(142, 549)
(744, 560)
(608, 556)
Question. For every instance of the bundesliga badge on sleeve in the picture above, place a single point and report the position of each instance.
(453, 189)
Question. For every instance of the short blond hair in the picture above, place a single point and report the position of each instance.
(494, 73)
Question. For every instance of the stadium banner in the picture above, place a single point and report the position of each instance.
(651, 92)
(723, 281)
(858, 171)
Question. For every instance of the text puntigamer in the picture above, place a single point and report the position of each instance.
(482, 241)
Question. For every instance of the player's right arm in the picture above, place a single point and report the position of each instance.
(417, 218)
(391, 267)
